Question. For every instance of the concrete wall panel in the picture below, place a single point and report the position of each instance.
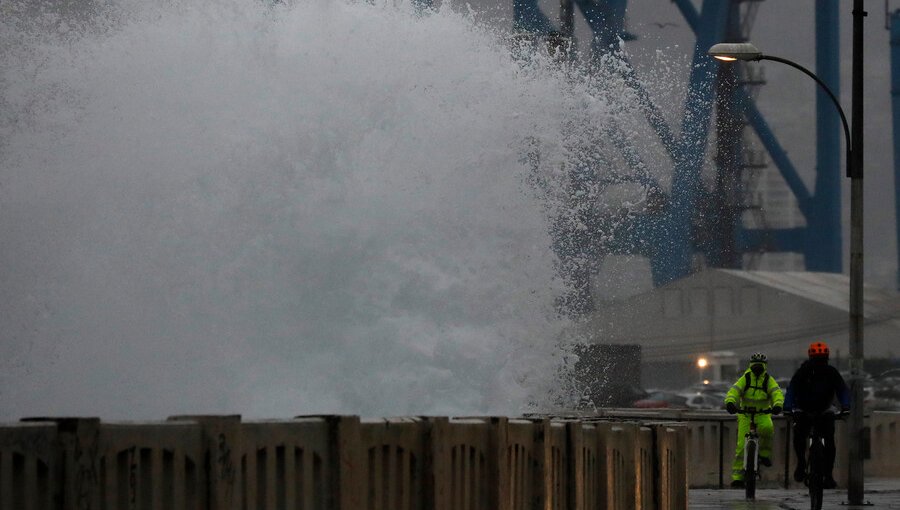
(28, 466)
(342, 463)
(150, 466)
(645, 456)
(468, 463)
(285, 464)
(618, 442)
(395, 456)
(673, 466)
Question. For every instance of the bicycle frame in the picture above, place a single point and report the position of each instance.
(751, 452)
(815, 469)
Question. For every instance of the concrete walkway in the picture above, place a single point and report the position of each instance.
(882, 493)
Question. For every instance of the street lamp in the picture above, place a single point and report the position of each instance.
(731, 52)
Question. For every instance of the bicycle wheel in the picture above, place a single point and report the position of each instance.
(750, 470)
(816, 479)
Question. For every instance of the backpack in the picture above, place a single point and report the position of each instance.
(747, 386)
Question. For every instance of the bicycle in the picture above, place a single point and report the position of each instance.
(815, 466)
(751, 452)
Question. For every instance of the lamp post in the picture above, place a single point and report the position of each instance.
(730, 52)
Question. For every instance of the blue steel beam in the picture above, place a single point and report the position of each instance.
(528, 17)
(758, 122)
(607, 23)
(823, 248)
(678, 236)
(777, 152)
(654, 115)
(673, 250)
(895, 109)
(758, 240)
(822, 245)
(689, 13)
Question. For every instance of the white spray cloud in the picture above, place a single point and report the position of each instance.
(222, 206)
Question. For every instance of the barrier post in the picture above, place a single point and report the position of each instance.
(222, 442)
(673, 466)
(646, 471)
(575, 465)
(499, 451)
(617, 450)
(78, 441)
(347, 463)
(29, 466)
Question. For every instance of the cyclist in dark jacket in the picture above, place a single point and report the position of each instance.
(813, 389)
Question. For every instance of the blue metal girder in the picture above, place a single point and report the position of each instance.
(758, 122)
(689, 12)
(654, 115)
(667, 238)
(822, 245)
(605, 26)
(895, 109)
(676, 246)
(823, 248)
(777, 152)
(528, 17)
(760, 240)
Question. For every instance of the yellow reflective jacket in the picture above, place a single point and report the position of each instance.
(762, 392)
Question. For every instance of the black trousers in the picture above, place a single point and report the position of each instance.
(825, 425)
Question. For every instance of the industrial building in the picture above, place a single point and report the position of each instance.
(723, 310)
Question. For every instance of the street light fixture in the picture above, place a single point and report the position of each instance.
(747, 52)
(729, 52)
(732, 52)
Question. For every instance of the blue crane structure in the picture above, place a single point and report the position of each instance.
(691, 218)
(892, 23)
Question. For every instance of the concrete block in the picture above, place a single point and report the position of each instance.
(592, 469)
(221, 439)
(673, 464)
(396, 454)
(29, 466)
(645, 456)
(153, 466)
(77, 443)
(618, 440)
(285, 464)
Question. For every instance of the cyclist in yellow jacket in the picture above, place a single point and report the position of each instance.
(755, 389)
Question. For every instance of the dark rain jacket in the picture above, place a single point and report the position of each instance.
(814, 388)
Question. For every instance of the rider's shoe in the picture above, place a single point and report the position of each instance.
(765, 461)
(829, 483)
(800, 473)
(737, 484)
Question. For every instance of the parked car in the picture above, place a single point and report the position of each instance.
(661, 399)
(702, 400)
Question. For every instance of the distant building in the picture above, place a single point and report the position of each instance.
(778, 313)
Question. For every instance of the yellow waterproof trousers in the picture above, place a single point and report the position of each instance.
(766, 430)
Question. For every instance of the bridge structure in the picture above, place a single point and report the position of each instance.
(692, 219)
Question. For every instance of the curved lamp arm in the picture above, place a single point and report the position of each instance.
(827, 91)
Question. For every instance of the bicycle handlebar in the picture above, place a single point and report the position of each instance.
(837, 414)
(753, 411)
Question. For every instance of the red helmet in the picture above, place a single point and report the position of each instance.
(818, 350)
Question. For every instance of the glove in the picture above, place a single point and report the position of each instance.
(730, 407)
(776, 410)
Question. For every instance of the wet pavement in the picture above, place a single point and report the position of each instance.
(881, 493)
